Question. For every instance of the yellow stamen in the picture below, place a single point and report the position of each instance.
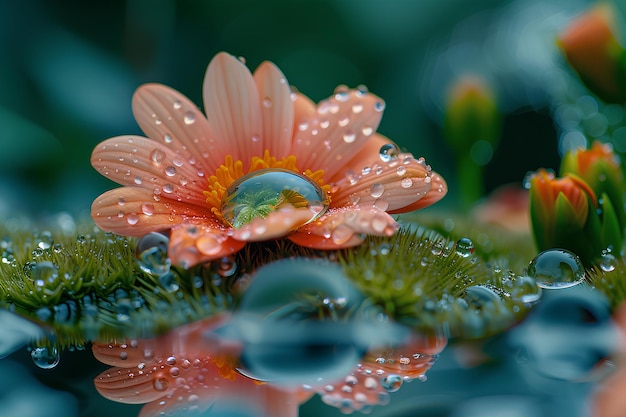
(232, 170)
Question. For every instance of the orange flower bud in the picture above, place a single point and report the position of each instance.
(591, 47)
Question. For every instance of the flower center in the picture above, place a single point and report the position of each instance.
(270, 185)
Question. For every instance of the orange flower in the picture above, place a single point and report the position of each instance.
(264, 163)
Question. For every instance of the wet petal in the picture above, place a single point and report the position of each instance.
(343, 227)
(304, 110)
(277, 109)
(173, 120)
(123, 355)
(389, 185)
(276, 224)
(191, 244)
(232, 105)
(133, 385)
(132, 211)
(339, 129)
(140, 162)
(438, 189)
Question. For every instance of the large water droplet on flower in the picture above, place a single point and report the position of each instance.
(45, 357)
(556, 268)
(264, 191)
(464, 247)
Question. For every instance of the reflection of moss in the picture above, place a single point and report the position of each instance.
(100, 292)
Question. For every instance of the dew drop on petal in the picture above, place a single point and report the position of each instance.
(157, 156)
(392, 382)
(132, 219)
(367, 130)
(189, 117)
(209, 244)
(147, 209)
(377, 189)
(168, 188)
(341, 234)
(349, 136)
(170, 171)
(406, 182)
(388, 152)
(167, 138)
(379, 105)
(159, 383)
(556, 268)
(177, 105)
(267, 102)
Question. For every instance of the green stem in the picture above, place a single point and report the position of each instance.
(470, 177)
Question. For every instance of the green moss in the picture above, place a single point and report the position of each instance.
(88, 285)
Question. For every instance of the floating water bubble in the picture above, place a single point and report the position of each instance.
(45, 357)
(284, 338)
(464, 247)
(264, 191)
(152, 254)
(556, 268)
(388, 152)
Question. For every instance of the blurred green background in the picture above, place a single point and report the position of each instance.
(68, 70)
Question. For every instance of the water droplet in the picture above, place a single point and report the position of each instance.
(480, 296)
(132, 219)
(367, 130)
(349, 136)
(377, 189)
(157, 156)
(556, 268)
(526, 290)
(290, 343)
(44, 272)
(177, 105)
(388, 152)
(406, 182)
(45, 357)
(45, 240)
(138, 180)
(170, 171)
(167, 138)
(357, 108)
(259, 193)
(267, 102)
(168, 188)
(152, 254)
(189, 117)
(227, 267)
(147, 209)
(379, 105)
(608, 262)
(159, 383)
(464, 247)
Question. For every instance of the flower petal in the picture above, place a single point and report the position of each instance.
(277, 224)
(133, 385)
(171, 119)
(191, 244)
(339, 129)
(140, 162)
(304, 110)
(133, 211)
(438, 189)
(389, 185)
(232, 105)
(119, 354)
(341, 227)
(277, 109)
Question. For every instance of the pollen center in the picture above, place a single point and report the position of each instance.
(270, 185)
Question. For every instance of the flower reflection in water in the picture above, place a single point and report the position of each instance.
(191, 371)
(286, 340)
